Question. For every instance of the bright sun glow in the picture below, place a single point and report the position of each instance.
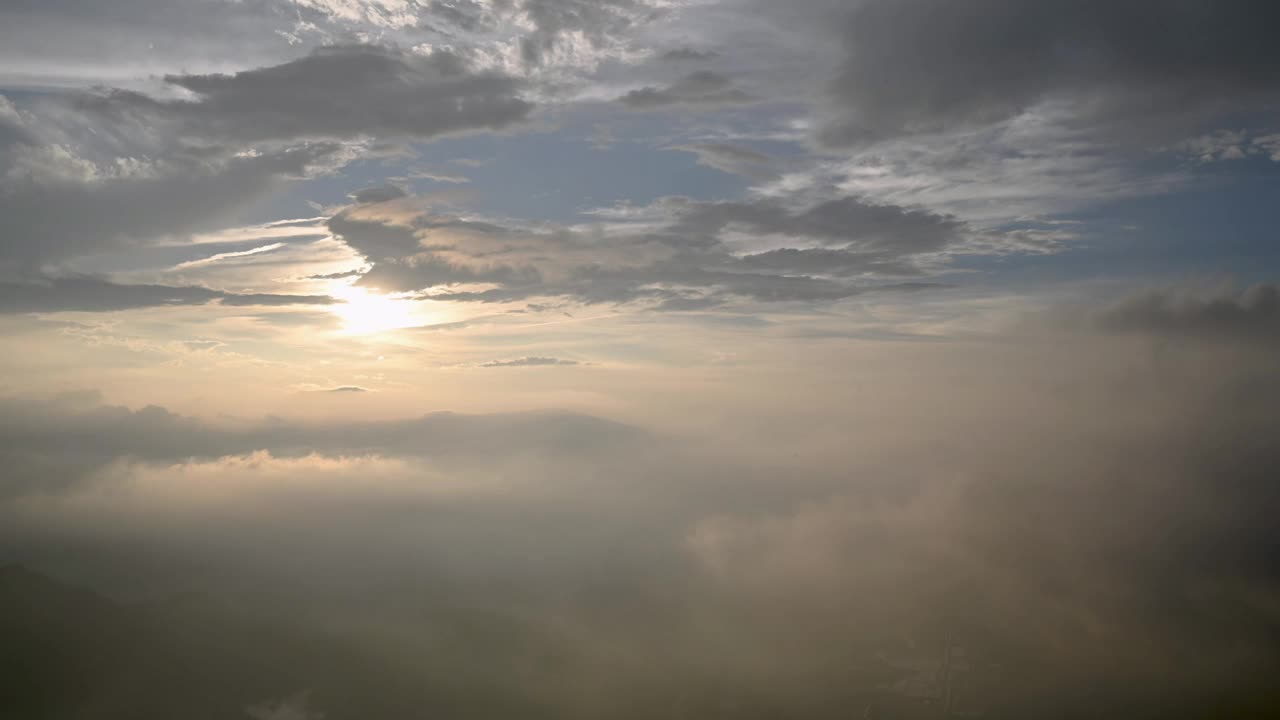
(365, 313)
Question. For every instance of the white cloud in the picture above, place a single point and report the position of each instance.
(219, 257)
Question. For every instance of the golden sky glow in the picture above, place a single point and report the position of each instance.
(365, 312)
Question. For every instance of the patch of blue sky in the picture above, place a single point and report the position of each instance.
(1224, 223)
(550, 175)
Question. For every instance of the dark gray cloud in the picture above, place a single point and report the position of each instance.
(375, 240)
(380, 193)
(55, 218)
(425, 270)
(688, 55)
(530, 361)
(338, 92)
(1251, 314)
(1134, 67)
(337, 275)
(849, 220)
(703, 87)
(91, 294)
(250, 299)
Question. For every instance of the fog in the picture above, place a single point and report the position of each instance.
(1073, 519)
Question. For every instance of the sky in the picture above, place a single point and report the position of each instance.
(614, 358)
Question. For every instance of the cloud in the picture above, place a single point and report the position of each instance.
(92, 294)
(1223, 145)
(156, 434)
(1037, 166)
(347, 389)
(918, 66)
(271, 299)
(12, 127)
(337, 275)
(731, 158)
(702, 87)
(292, 708)
(61, 43)
(672, 254)
(530, 361)
(439, 177)
(381, 193)
(338, 92)
(824, 261)
(841, 221)
(581, 32)
(218, 257)
(65, 43)
(379, 13)
(1095, 525)
(51, 219)
(1251, 314)
(688, 55)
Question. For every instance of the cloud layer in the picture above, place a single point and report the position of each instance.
(1102, 537)
(340, 92)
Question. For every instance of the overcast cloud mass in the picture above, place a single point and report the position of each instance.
(384, 359)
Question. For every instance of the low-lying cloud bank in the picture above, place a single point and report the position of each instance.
(1088, 515)
(1250, 314)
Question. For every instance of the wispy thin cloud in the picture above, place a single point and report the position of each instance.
(227, 256)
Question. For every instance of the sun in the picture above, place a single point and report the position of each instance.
(366, 313)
